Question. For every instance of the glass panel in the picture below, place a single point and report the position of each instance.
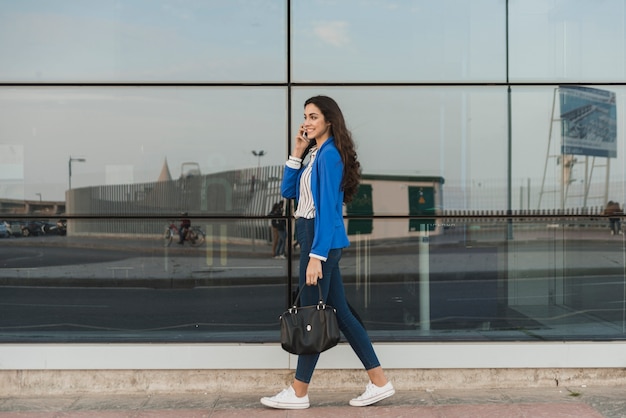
(410, 41)
(426, 136)
(477, 278)
(161, 149)
(568, 275)
(567, 40)
(474, 278)
(138, 40)
(139, 287)
(550, 174)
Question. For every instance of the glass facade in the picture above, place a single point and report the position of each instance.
(490, 132)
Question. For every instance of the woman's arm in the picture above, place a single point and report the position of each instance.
(288, 187)
(329, 177)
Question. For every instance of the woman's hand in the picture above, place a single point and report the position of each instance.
(301, 143)
(313, 271)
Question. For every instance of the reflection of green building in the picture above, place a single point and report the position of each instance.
(385, 195)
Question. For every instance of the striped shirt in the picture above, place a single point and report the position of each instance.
(306, 206)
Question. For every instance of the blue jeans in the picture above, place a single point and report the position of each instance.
(334, 295)
(282, 238)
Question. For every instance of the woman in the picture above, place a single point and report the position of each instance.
(330, 179)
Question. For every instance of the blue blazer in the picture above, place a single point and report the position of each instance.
(326, 178)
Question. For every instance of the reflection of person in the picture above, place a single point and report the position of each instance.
(615, 224)
(185, 224)
(279, 227)
(295, 238)
(330, 179)
(274, 212)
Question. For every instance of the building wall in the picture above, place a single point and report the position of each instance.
(519, 252)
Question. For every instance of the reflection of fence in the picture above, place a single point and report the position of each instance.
(243, 193)
(542, 219)
(531, 213)
(235, 203)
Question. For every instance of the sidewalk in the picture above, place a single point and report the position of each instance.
(553, 402)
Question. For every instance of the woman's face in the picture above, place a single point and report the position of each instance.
(315, 124)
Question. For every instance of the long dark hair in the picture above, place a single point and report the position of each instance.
(344, 143)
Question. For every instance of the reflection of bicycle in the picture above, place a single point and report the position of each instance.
(195, 236)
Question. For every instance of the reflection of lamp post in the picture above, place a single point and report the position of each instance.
(79, 160)
(39, 194)
(258, 154)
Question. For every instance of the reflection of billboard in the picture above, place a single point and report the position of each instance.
(588, 122)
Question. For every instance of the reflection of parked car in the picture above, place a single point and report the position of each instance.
(62, 226)
(48, 227)
(58, 228)
(4, 231)
(14, 228)
(32, 228)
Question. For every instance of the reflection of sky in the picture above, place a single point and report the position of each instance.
(459, 133)
(145, 40)
(140, 126)
(381, 40)
(11, 162)
(569, 40)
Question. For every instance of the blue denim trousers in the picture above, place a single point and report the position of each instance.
(334, 295)
(280, 246)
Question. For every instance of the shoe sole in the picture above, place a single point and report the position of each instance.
(373, 400)
(280, 405)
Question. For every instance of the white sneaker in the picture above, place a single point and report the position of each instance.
(373, 394)
(286, 399)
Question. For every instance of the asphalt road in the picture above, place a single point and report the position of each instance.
(19, 257)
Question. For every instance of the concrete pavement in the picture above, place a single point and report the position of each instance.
(580, 402)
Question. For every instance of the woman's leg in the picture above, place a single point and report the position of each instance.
(379, 388)
(310, 296)
(306, 363)
(350, 326)
(282, 237)
(295, 397)
(274, 241)
(334, 294)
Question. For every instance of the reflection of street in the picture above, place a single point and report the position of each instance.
(94, 261)
(558, 282)
(57, 257)
(138, 313)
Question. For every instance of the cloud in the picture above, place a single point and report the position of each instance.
(334, 33)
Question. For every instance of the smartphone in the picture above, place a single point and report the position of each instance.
(310, 144)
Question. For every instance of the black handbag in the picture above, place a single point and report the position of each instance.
(309, 329)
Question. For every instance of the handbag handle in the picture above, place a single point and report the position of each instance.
(320, 304)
